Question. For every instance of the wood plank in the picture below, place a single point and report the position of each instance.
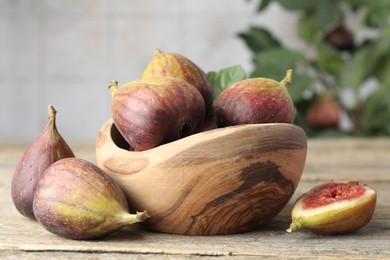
(21, 238)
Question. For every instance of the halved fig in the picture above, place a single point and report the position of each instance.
(334, 208)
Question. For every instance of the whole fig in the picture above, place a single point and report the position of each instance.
(324, 113)
(47, 148)
(77, 200)
(334, 208)
(150, 112)
(255, 101)
(165, 64)
(340, 38)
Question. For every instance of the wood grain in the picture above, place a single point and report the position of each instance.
(223, 181)
(366, 160)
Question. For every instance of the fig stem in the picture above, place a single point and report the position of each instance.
(294, 226)
(157, 52)
(113, 87)
(51, 113)
(128, 219)
(287, 78)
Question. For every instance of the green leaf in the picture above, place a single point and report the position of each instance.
(258, 39)
(263, 5)
(377, 13)
(327, 12)
(383, 74)
(377, 112)
(329, 60)
(308, 28)
(297, 5)
(273, 63)
(300, 83)
(225, 78)
(356, 70)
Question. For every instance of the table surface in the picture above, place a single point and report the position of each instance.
(363, 160)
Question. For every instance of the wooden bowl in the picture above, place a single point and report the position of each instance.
(223, 181)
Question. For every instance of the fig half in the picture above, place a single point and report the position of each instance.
(334, 208)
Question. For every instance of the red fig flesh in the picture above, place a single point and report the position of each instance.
(46, 149)
(77, 200)
(334, 208)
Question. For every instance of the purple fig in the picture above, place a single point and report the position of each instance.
(150, 112)
(48, 147)
(334, 208)
(255, 101)
(324, 113)
(77, 200)
(165, 64)
(340, 38)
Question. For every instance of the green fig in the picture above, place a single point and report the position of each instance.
(77, 200)
(164, 64)
(255, 101)
(47, 148)
(334, 208)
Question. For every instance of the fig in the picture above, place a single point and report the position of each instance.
(47, 148)
(164, 64)
(255, 101)
(77, 200)
(340, 38)
(336, 207)
(324, 113)
(150, 112)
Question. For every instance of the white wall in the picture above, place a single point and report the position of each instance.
(64, 52)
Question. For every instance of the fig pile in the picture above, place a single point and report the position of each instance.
(68, 196)
(172, 99)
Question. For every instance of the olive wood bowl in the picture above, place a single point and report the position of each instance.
(222, 181)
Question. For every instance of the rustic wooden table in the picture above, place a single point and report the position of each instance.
(363, 160)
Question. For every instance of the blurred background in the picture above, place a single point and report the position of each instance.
(64, 53)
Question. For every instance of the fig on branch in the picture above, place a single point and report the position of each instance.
(150, 112)
(255, 101)
(340, 38)
(324, 113)
(334, 208)
(47, 148)
(77, 200)
(165, 64)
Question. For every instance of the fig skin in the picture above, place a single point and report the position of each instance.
(77, 200)
(151, 112)
(164, 64)
(47, 148)
(255, 101)
(324, 113)
(336, 216)
(340, 38)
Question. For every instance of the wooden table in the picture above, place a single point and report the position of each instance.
(363, 160)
